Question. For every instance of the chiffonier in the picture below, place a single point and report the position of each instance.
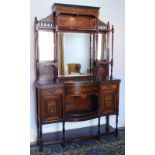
(74, 73)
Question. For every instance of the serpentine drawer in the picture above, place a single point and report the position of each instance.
(81, 88)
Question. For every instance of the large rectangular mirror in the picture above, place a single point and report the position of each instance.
(74, 54)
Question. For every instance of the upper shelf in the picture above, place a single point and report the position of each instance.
(75, 9)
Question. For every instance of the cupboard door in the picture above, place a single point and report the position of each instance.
(109, 98)
(108, 103)
(51, 108)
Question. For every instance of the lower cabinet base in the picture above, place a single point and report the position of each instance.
(76, 135)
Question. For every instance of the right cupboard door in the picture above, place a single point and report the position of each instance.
(109, 99)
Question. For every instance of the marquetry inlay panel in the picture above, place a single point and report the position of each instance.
(108, 103)
(51, 108)
(108, 100)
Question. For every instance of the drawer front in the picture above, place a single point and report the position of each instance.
(81, 89)
(52, 91)
(109, 104)
(75, 21)
(109, 87)
(51, 108)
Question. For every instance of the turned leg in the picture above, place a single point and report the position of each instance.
(107, 123)
(99, 128)
(116, 129)
(40, 138)
(63, 138)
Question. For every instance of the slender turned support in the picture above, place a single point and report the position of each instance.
(108, 41)
(107, 123)
(116, 130)
(40, 138)
(63, 138)
(99, 128)
(112, 52)
(56, 57)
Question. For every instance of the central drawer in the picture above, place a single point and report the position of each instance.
(81, 88)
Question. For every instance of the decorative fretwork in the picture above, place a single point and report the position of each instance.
(45, 23)
(101, 25)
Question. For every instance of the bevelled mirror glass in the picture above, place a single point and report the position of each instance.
(74, 54)
(102, 52)
(46, 45)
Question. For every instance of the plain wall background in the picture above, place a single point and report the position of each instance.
(113, 11)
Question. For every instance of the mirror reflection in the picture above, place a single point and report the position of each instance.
(74, 54)
(102, 53)
(46, 45)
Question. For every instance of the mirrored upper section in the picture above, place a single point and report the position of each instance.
(75, 41)
(46, 45)
(74, 54)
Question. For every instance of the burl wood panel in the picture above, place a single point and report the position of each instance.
(75, 22)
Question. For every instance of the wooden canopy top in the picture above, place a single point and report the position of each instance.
(75, 9)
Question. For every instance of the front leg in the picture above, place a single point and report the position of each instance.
(116, 129)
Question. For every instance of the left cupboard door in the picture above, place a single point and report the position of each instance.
(51, 108)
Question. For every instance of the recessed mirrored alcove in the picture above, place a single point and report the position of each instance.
(74, 54)
(102, 48)
(46, 45)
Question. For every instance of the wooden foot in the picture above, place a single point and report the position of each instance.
(40, 138)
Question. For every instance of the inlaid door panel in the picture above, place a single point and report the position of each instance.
(51, 108)
(108, 103)
(109, 98)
